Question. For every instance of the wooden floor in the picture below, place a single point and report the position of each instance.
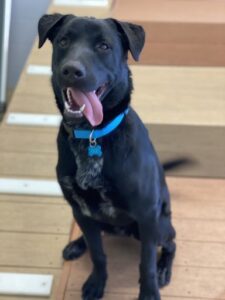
(199, 268)
(34, 229)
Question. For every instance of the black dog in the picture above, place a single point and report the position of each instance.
(107, 167)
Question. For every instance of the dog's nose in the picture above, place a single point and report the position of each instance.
(73, 70)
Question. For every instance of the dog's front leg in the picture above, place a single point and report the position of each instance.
(148, 267)
(93, 288)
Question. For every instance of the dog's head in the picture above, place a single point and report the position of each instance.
(89, 63)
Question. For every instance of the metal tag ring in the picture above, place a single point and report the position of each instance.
(92, 141)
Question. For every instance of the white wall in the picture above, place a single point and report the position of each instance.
(24, 19)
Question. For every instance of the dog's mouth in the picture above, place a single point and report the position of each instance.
(80, 104)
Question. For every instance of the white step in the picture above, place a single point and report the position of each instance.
(25, 284)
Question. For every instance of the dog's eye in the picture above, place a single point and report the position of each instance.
(103, 46)
(63, 42)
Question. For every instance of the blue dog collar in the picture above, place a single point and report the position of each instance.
(94, 149)
(98, 133)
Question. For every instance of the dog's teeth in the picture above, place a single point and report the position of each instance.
(67, 105)
(68, 94)
(76, 111)
(69, 102)
(82, 108)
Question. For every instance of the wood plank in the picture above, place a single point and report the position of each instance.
(13, 164)
(98, 12)
(185, 228)
(187, 253)
(200, 224)
(71, 295)
(174, 54)
(196, 282)
(33, 103)
(29, 199)
(162, 95)
(188, 96)
(56, 218)
(63, 281)
(212, 254)
(174, 11)
(29, 97)
(25, 217)
(188, 281)
(198, 209)
(182, 33)
(205, 145)
(28, 139)
(188, 201)
(30, 85)
(187, 257)
(192, 272)
(29, 212)
(199, 230)
(167, 44)
(74, 234)
(56, 273)
(196, 142)
(32, 250)
(43, 165)
(201, 199)
(40, 56)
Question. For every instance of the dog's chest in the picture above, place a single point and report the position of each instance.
(89, 169)
(102, 210)
(89, 175)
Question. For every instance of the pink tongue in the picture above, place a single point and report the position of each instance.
(93, 107)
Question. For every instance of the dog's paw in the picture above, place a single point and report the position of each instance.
(149, 293)
(164, 270)
(75, 249)
(154, 296)
(93, 288)
(164, 276)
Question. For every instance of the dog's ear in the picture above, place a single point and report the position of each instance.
(133, 36)
(48, 26)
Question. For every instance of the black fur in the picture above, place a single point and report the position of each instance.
(125, 191)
